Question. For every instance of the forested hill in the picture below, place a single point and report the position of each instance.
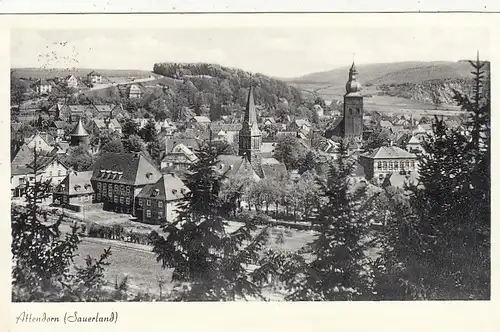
(230, 85)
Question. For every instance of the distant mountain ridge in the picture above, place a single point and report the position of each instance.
(391, 73)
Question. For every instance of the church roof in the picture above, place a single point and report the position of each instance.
(79, 130)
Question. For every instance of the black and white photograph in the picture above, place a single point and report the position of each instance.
(250, 163)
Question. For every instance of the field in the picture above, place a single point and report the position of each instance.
(382, 104)
(139, 263)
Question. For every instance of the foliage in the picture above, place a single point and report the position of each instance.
(377, 138)
(43, 267)
(130, 127)
(441, 250)
(290, 151)
(114, 145)
(134, 144)
(209, 262)
(79, 158)
(334, 266)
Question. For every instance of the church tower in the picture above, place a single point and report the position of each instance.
(353, 106)
(250, 137)
(79, 134)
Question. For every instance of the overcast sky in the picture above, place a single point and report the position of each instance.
(281, 52)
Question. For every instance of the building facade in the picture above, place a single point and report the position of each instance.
(386, 160)
(157, 203)
(74, 191)
(118, 178)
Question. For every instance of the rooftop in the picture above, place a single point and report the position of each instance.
(388, 152)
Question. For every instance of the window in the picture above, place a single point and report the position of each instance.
(396, 165)
(50, 173)
(59, 173)
(160, 214)
(116, 199)
(148, 202)
(122, 189)
(127, 200)
(117, 188)
(128, 190)
(379, 165)
(412, 164)
(385, 165)
(121, 199)
(390, 165)
(160, 204)
(407, 164)
(98, 196)
(148, 213)
(104, 186)
(140, 202)
(98, 185)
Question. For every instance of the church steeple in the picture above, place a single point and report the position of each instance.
(250, 138)
(352, 85)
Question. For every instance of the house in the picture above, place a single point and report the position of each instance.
(199, 121)
(414, 144)
(179, 158)
(113, 125)
(71, 113)
(60, 128)
(268, 121)
(384, 124)
(225, 131)
(299, 125)
(94, 77)
(118, 178)
(43, 87)
(387, 159)
(320, 112)
(236, 167)
(42, 141)
(157, 203)
(72, 81)
(267, 149)
(74, 191)
(104, 111)
(135, 92)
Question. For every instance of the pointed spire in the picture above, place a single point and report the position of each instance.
(250, 113)
(79, 130)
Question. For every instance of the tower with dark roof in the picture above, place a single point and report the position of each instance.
(79, 134)
(250, 137)
(353, 106)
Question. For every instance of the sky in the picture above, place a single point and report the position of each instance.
(280, 52)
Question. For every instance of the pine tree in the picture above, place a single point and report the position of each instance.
(43, 256)
(441, 249)
(338, 266)
(210, 263)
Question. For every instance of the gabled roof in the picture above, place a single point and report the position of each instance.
(217, 127)
(188, 142)
(125, 168)
(93, 72)
(76, 183)
(59, 124)
(23, 156)
(386, 124)
(169, 187)
(389, 152)
(43, 161)
(302, 122)
(201, 119)
(184, 150)
(272, 168)
(104, 108)
(45, 136)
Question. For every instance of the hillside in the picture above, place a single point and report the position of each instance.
(391, 73)
(423, 82)
(199, 87)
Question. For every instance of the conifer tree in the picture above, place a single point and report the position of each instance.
(337, 269)
(441, 249)
(43, 256)
(209, 262)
